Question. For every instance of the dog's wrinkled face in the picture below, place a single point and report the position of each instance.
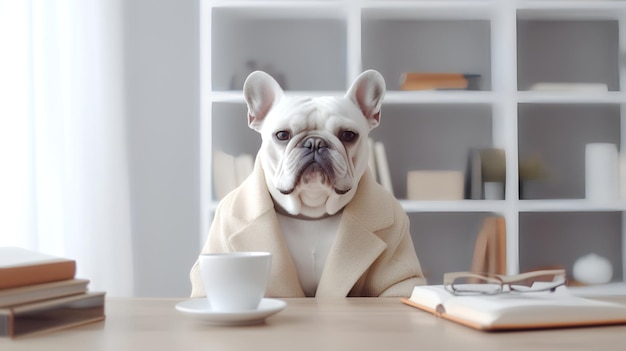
(314, 150)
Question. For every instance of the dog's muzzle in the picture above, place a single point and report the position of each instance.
(315, 154)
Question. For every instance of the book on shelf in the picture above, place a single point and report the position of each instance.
(22, 267)
(224, 178)
(484, 165)
(474, 176)
(439, 81)
(230, 171)
(516, 311)
(244, 164)
(371, 162)
(44, 291)
(50, 315)
(382, 166)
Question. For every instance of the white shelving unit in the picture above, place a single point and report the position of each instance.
(321, 46)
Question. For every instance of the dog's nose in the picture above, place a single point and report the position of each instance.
(315, 144)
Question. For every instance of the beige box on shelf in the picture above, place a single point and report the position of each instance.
(435, 185)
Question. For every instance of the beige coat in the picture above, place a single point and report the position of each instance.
(372, 255)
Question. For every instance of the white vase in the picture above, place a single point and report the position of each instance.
(601, 172)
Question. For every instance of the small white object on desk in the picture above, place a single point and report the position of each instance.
(593, 269)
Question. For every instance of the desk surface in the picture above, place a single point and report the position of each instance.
(305, 324)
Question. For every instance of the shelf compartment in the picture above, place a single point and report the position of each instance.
(303, 47)
(431, 137)
(551, 51)
(394, 46)
(556, 135)
(559, 239)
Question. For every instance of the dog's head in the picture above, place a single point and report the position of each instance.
(314, 150)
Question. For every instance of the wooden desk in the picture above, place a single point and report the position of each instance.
(305, 324)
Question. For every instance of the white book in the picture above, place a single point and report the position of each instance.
(224, 177)
(372, 158)
(382, 165)
(588, 87)
(510, 311)
(243, 167)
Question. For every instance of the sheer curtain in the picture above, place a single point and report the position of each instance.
(64, 180)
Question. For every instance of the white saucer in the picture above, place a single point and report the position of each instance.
(200, 309)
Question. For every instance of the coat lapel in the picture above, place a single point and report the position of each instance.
(356, 246)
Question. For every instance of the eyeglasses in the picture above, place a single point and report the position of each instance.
(468, 283)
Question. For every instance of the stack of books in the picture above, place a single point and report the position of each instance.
(379, 164)
(40, 293)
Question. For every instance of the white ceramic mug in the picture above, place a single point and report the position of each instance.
(235, 281)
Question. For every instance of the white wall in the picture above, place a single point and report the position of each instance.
(162, 96)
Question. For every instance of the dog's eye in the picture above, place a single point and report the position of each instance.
(348, 136)
(283, 135)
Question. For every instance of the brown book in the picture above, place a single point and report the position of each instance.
(22, 267)
(437, 81)
(490, 248)
(50, 315)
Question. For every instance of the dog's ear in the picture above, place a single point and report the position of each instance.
(367, 93)
(261, 91)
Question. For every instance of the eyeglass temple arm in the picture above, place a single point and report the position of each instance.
(532, 274)
(448, 278)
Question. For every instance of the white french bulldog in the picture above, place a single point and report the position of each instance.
(314, 150)
(311, 200)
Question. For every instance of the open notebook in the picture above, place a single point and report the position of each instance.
(515, 311)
